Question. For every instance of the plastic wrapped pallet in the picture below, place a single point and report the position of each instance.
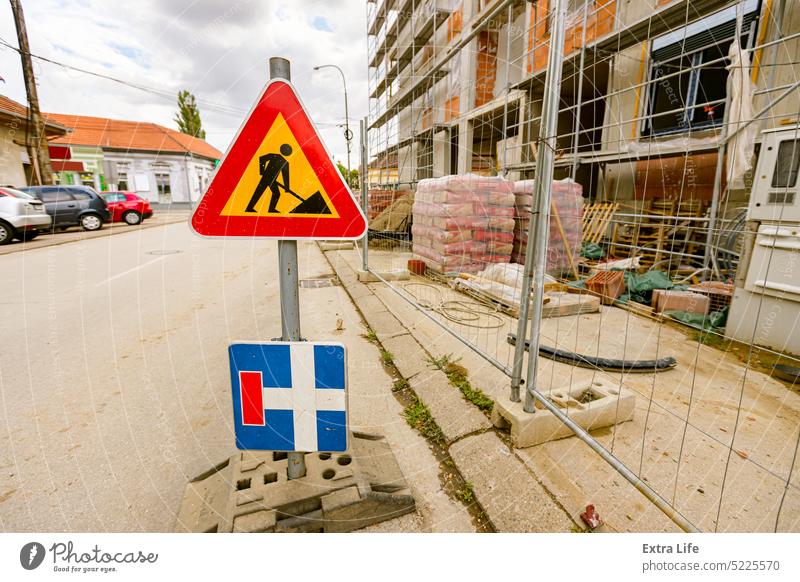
(463, 223)
(567, 198)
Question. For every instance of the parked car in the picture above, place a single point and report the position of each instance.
(21, 216)
(72, 206)
(127, 207)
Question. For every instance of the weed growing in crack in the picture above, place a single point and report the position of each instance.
(458, 377)
(370, 336)
(466, 493)
(400, 385)
(386, 357)
(419, 417)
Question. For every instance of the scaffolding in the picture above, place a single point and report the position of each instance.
(648, 124)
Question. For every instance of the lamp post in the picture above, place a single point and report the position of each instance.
(348, 135)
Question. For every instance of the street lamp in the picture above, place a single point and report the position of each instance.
(348, 135)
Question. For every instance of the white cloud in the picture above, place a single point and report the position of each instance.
(215, 49)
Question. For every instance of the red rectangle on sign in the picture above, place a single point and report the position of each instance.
(252, 398)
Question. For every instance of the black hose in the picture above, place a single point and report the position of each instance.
(608, 364)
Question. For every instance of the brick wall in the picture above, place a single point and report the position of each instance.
(486, 67)
(599, 22)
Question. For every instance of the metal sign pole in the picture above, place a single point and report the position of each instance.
(542, 185)
(279, 68)
(364, 193)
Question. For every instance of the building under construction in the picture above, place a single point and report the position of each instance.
(663, 108)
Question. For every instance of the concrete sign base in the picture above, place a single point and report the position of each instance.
(340, 492)
(591, 404)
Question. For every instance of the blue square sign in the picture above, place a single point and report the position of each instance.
(289, 396)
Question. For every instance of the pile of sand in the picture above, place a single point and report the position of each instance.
(396, 217)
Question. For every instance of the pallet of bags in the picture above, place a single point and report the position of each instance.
(463, 223)
(494, 201)
(566, 219)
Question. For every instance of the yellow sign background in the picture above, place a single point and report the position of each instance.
(302, 178)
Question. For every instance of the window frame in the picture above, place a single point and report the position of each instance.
(695, 70)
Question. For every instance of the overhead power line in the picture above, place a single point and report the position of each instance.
(164, 93)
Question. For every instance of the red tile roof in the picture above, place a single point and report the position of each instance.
(11, 107)
(129, 136)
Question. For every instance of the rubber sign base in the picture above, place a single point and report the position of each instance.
(340, 492)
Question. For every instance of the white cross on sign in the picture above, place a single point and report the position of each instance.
(304, 398)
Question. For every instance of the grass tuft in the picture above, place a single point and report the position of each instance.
(458, 377)
(370, 336)
(400, 385)
(466, 493)
(419, 417)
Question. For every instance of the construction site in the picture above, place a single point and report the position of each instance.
(612, 186)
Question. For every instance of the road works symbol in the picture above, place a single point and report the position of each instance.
(277, 180)
(289, 396)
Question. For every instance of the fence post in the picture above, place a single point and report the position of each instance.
(545, 157)
(364, 194)
(536, 250)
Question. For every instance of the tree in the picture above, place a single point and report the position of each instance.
(188, 116)
(352, 179)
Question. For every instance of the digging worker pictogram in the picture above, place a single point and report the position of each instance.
(270, 166)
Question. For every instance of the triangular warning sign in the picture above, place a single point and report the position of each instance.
(277, 179)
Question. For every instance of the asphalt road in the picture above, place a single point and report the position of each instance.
(76, 233)
(114, 381)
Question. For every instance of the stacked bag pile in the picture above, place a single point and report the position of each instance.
(567, 199)
(461, 224)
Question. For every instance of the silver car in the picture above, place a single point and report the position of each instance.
(22, 216)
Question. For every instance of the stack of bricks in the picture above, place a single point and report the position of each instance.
(380, 200)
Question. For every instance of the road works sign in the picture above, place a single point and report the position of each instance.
(289, 396)
(277, 179)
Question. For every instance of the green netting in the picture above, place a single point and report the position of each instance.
(592, 251)
(713, 320)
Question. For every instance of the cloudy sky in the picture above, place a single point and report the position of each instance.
(217, 49)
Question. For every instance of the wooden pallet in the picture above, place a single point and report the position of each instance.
(596, 218)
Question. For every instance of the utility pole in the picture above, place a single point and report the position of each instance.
(39, 144)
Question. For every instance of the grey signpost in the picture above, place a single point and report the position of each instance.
(279, 68)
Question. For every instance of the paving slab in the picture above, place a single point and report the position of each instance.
(384, 324)
(454, 415)
(512, 498)
(409, 357)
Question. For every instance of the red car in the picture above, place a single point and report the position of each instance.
(127, 207)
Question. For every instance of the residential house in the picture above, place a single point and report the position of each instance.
(15, 152)
(158, 163)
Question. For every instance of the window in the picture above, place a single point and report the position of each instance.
(787, 164)
(163, 186)
(122, 181)
(81, 196)
(115, 197)
(688, 78)
(49, 195)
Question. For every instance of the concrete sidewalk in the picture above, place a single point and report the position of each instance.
(513, 499)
